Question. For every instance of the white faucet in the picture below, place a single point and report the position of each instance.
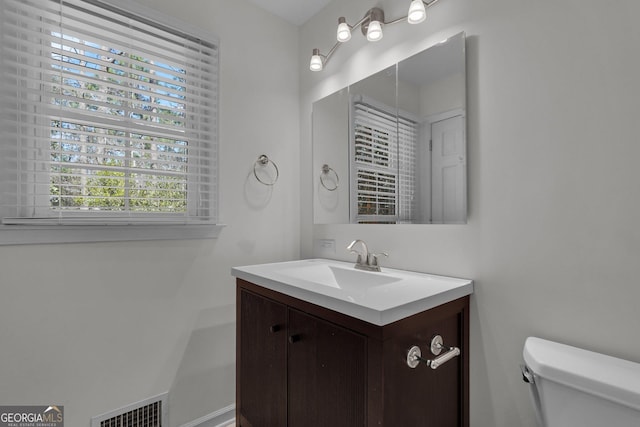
(365, 261)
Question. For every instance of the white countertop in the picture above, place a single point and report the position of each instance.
(379, 298)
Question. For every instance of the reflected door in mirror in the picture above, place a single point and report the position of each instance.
(448, 202)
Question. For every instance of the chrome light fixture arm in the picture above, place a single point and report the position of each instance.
(318, 60)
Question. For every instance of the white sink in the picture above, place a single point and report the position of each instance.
(338, 277)
(376, 297)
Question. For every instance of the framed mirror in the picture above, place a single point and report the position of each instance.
(391, 148)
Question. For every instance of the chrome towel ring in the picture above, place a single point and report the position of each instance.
(262, 162)
(326, 170)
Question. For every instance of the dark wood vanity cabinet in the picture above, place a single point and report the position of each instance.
(326, 377)
(263, 359)
(302, 365)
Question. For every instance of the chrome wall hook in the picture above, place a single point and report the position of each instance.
(262, 162)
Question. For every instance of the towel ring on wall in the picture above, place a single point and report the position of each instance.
(263, 161)
(325, 172)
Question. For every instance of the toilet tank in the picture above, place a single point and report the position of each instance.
(573, 387)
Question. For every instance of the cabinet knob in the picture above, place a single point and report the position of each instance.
(294, 338)
(274, 328)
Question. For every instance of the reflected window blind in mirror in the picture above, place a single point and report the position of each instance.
(383, 162)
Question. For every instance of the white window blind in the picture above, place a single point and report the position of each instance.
(407, 159)
(383, 161)
(107, 117)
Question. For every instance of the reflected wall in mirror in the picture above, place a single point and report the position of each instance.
(397, 139)
(330, 136)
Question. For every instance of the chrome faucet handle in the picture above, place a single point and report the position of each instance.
(373, 260)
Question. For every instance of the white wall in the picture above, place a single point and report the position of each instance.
(553, 240)
(130, 320)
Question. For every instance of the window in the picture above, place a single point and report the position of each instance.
(108, 117)
(383, 153)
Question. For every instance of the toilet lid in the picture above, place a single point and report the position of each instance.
(607, 377)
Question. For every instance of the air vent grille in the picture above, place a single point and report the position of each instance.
(148, 413)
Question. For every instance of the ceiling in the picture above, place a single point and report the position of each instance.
(295, 11)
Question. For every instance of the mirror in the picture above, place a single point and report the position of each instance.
(391, 148)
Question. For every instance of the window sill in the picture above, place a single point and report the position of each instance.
(47, 234)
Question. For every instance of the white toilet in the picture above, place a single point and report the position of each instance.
(572, 387)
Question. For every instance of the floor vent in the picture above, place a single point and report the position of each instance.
(147, 413)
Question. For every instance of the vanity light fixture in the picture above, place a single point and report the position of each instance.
(344, 32)
(371, 26)
(316, 61)
(417, 12)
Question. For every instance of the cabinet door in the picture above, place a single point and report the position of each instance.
(424, 397)
(262, 362)
(327, 366)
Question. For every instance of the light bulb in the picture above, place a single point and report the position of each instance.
(417, 12)
(344, 32)
(374, 32)
(316, 61)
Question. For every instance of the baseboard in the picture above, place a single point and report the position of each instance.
(220, 418)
